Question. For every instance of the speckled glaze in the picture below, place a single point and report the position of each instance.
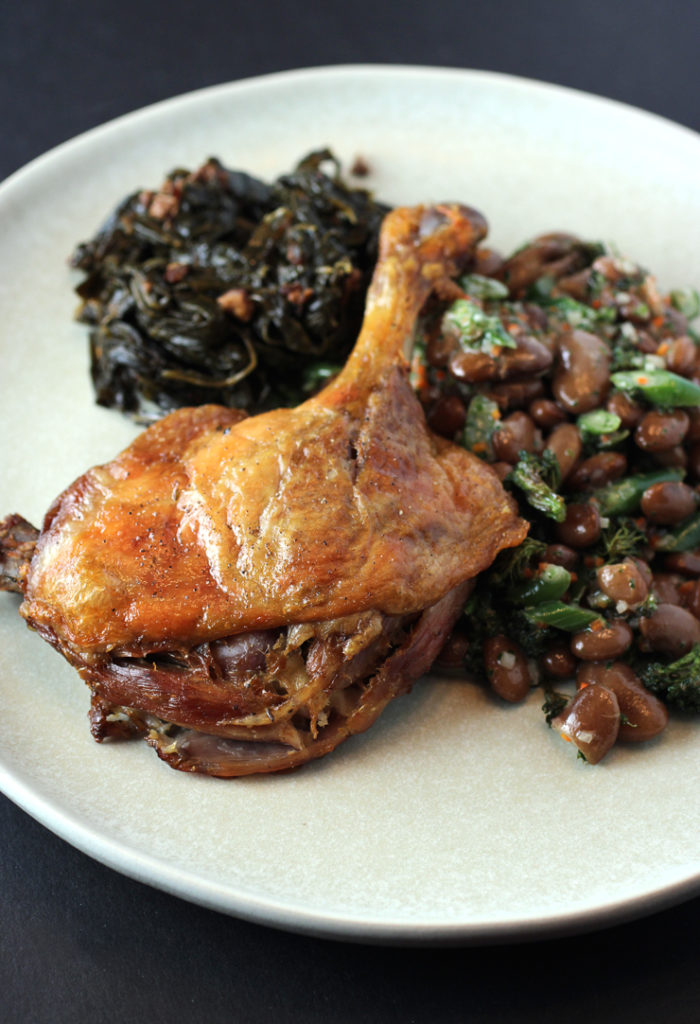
(453, 819)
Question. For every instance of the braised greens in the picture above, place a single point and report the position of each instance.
(218, 287)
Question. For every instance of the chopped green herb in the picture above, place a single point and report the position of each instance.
(474, 328)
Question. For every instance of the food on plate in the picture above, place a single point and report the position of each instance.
(247, 592)
(566, 369)
(217, 287)
(562, 367)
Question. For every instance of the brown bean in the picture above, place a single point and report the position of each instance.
(454, 651)
(680, 357)
(576, 285)
(553, 254)
(693, 424)
(691, 598)
(530, 357)
(581, 528)
(623, 582)
(646, 342)
(670, 629)
(675, 457)
(514, 434)
(559, 662)
(546, 413)
(565, 443)
(473, 367)
(487, 262)
(581, 379)
(439, 348)
(643, 714)
(598, 642)
(665, 587)
(659, 431)
(591, 720)
(685, 562)
(516, 394)
(644, 568)
(668, 503)
(630, 412)
(560, 554)
(506, 668)
(447, 416)
(597, 470)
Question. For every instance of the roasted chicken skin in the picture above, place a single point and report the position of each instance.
(247, 592)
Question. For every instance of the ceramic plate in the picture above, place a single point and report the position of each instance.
(452, 819)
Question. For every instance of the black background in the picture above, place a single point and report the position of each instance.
(79, 942)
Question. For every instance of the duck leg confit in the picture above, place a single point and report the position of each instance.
(246, 593)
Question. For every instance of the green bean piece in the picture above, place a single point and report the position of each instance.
(549, 584)
(685, 538)
(659, 387)
(570, 617)
(528, 475)
(623, 496)
(597, 423)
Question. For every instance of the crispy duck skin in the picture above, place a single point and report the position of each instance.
(247, 592)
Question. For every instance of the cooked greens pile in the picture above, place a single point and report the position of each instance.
(218, 287)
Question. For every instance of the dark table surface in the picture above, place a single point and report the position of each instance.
(79, 942)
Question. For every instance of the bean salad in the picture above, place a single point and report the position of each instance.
(567, 369)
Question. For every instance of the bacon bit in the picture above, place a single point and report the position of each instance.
(238, 302)
(297, 295)
(163, 206)
(175, 272)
